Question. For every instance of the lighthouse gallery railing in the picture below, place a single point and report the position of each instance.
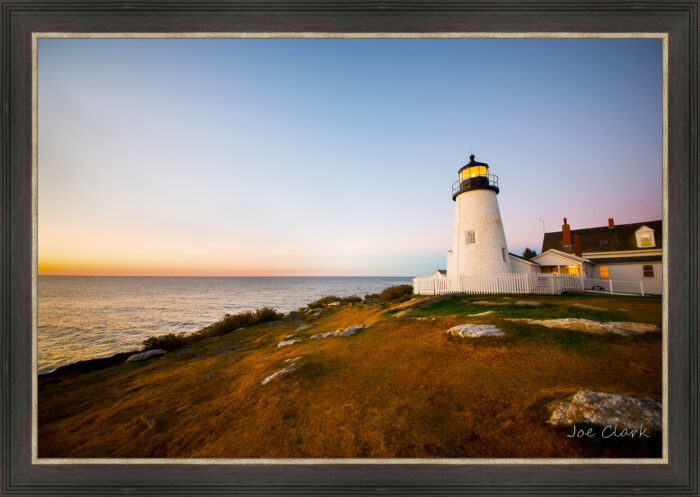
(474, 182)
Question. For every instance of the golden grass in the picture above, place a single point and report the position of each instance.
(401, 388)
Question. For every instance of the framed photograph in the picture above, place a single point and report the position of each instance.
(232, 262)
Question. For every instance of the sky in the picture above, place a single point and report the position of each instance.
(332, 157)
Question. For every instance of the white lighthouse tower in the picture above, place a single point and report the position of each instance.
(479, 242)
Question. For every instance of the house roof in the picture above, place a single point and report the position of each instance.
(628, 260)
(565, 255)
(441, 271)
(619, 237)
(523, 259)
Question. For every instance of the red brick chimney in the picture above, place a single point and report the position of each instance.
(566, 234)
(611, 223)
(577, 244)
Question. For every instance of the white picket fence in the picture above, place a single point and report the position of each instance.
(620, 287)
(540, 283)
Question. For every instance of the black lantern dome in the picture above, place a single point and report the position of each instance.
(474, 175)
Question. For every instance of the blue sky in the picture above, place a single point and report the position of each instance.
(332, 157)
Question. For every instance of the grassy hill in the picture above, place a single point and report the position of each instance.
(400, 388)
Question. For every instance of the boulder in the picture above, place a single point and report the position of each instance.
(475, 330)
(286, 370)
(333, 304)
(304, 327)
(486, 313)
(142, 356)
(607, 409)
(285, 343)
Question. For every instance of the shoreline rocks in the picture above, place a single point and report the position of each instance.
(142, 356)
(285, 343)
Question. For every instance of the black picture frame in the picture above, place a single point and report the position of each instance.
(679, 19)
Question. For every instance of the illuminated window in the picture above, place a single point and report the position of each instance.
(604, 273)
(645, 237)
(648, 270)
(470, 172)
(470, 237)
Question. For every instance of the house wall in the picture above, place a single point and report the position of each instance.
(519, 266)
(634, 272)
(553, 260)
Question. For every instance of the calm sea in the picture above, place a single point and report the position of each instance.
(83, 317)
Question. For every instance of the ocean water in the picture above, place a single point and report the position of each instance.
(84, 317)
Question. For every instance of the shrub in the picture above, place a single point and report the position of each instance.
(352, 299)
(396, 292)
(323, 301)
(227, 324)
(167, 342)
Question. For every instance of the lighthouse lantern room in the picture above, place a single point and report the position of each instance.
(478, 243)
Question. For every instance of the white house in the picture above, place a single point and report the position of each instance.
(624, 254)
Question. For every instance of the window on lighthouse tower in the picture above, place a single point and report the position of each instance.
(470, 237)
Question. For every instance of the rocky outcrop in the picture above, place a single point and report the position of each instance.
(325, 334)
(486, 313)
(347, 332)
(403, 313)
(286, 343)
(304, 327)
(528, 303)
(617, 327)
(607, 409)
(279, 373)
(353, 330)
(142, 356)
(475, 330)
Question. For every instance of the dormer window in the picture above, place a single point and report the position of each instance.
(645, 237)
